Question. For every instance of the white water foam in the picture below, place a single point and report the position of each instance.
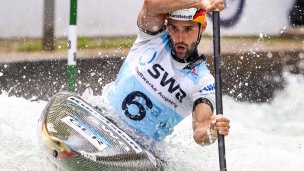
(263, 137)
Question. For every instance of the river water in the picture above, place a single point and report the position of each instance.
(263, 137)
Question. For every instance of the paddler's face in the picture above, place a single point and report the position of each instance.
(184, 36)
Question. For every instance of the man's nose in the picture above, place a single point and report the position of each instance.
(180, 37)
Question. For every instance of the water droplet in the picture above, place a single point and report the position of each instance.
(301, 55)
(261, 35)
(269, 55)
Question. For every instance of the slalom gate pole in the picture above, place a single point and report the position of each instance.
(72, 46)
(218, 84)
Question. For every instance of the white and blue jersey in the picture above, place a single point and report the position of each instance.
(152, 92)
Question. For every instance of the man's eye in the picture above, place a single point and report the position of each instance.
(173, 28)
(188, 29)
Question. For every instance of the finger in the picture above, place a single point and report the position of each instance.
(225, 133)
(222, 124)
(221, 7)
(219, 121)
(212, 125)
(213, 118)
(215, 5)
(221, 128)
(221, 118)
(210, 8)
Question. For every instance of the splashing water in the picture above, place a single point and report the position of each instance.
(266, 136)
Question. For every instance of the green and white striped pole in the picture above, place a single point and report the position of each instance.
(72, 46)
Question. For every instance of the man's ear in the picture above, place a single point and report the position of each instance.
(203, 27)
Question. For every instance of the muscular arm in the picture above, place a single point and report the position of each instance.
(201, 122)
(153, 13)
(203, 119)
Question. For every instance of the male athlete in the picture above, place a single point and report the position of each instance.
(164, 79)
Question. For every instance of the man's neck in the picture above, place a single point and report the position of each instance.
(187, 59)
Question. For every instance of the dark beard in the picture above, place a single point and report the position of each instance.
(188, 52)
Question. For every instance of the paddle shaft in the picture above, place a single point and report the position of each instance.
(218, 84)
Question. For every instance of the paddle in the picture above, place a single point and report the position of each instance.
(218, 84)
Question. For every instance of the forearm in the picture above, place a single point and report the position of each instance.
(204, 136)
(156, 7)
(200, 136)
(152, 15)
(202, 133)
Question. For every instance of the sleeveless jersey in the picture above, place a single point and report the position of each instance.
(151, 94)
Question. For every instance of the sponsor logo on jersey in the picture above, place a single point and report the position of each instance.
(193, 72)
(147, 56)
(208, 88)
(158, 72)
